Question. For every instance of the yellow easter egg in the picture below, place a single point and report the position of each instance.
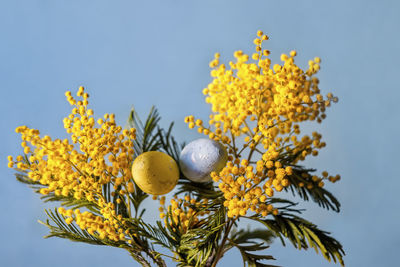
(155, 172)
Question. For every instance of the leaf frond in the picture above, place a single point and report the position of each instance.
(319, 195)
(303, 235)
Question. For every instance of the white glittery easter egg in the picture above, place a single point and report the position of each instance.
(201, 157)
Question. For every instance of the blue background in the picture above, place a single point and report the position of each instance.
(146, 53)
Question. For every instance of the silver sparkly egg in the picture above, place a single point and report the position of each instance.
(201, 157)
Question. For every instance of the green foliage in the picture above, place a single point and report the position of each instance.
(249, 236)
(71, 202)
(318, 194)
(245, 242)
(200, 243)
(200, 190)
(70, 231)
(168, 143)
(300, 232)
(158, 234)
(147, 139)
(302, 175)
(23, 178)
(73, 233)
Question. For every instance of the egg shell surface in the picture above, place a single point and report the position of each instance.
(155, 172)
(201, 157)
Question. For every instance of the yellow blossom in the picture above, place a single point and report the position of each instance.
(80, 166)
(266, 103)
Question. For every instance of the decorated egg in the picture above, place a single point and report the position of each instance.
(155, 172)
(201, 157)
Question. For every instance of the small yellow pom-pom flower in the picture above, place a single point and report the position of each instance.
(255, 56)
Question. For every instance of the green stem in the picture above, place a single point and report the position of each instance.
(139, 258)
(220, 250)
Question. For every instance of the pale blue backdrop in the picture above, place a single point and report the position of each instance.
(146, 53)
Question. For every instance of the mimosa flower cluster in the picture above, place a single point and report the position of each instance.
(261, 106)
(186, 212)
(97, 155)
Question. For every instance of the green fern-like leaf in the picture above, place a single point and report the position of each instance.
(249, 236)
(71, 202)
(302, 175)
(200, 190)
(68, 231)
(245, 242)
(318, 194)
(168, 143)
(23, 178)
(147, 138)
(304, 234)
